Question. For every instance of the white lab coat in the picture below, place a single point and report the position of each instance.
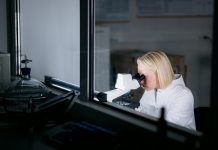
(177, 100)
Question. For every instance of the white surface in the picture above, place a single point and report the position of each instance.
(125, 82)
(112, 94)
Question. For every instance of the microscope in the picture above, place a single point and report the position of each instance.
(124, 84)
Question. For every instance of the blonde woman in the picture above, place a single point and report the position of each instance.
(164, 89)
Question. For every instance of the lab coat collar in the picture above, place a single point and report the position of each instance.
(177, 81)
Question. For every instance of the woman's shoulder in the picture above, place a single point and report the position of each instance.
(179, 85)
(181, 95)
(181, 88)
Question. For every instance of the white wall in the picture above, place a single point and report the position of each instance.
(50, 37)
(174, 35)
(102, 58)
(3, 27)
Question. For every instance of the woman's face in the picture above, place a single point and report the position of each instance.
(150, 81)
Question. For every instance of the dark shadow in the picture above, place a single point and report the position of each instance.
(206, 122)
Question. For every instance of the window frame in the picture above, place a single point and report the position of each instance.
(87, 37)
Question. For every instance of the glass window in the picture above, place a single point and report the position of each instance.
(126, 29)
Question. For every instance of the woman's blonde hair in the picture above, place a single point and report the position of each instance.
(158, 61)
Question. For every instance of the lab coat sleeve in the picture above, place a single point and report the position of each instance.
(149, 110)
(181, 111)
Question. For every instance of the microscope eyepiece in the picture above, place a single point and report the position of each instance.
(138, 77)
